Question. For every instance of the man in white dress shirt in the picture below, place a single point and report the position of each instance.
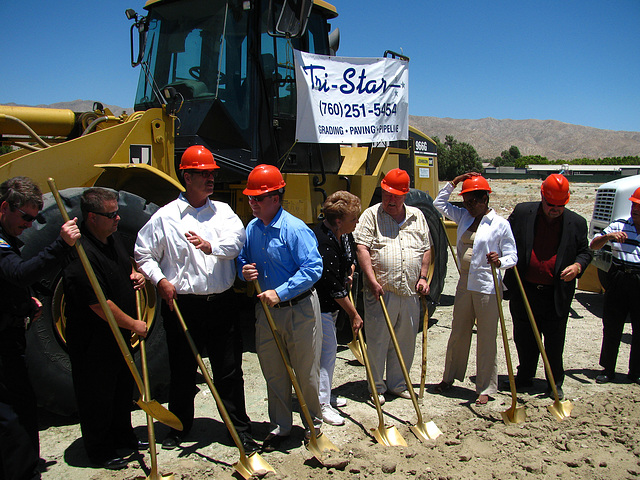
(187, 249)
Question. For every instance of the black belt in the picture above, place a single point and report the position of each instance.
(204, 298)
(538, 286)
(296, 300)
(626, 268)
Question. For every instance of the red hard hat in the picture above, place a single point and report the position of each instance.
(635, 198)
(555, 189)
(477, 182)
(264, 179)
(396, 182)
(197, 157)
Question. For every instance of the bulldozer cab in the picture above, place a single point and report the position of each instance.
(225, 68)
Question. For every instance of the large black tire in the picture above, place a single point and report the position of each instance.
(421, 200)
(47, 357)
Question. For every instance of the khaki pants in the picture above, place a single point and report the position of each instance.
(300, 330)
(467, 307)
(404, 313)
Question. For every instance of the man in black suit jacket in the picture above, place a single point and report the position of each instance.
(552, 252)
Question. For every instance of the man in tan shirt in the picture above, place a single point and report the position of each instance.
(394, 253)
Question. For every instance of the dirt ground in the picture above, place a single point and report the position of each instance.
(597, 441)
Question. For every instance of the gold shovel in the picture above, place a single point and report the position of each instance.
(389, 436)
(153, 475)
(357, 347)
(247, 466)
(152, 407)
(560, 410)
(425, 327)
(514, 414)
(354, 345)
(317, 443)
(423, 431)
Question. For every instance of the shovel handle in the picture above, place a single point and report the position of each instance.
(536, 334)
(505, 341)
(124, 349)
(403, 366)
(287, 363)
(205, 373)
(425, 327)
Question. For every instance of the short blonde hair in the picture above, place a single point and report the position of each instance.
(339, 204)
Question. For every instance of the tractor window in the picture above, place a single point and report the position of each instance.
(198, 47)
(278, 62)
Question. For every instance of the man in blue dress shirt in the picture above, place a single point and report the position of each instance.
(281, 252)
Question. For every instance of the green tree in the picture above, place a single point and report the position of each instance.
(456, 158)
(4, 149)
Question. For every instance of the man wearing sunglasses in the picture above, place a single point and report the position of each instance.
(20, 204)
(101, 379)
(188, 250)
(552, 252)
(281, 253)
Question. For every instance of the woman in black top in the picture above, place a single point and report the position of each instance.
(335, 243)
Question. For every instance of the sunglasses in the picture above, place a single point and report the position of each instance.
(258, 199)
(552, 205)
(203, 173)
(30, 218)
(110, 215)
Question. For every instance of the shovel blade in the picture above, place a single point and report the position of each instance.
(253, 465)
(561, 410)
(160, 413)
(320, 444)
(389, 436)
(354, 346)
(426, 431)
(514, 415)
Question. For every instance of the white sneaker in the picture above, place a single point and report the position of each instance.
(330, 416)
(381, 398)
(337, 401)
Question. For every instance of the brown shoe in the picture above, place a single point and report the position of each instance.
(442, 387)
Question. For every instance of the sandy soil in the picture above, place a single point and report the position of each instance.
(596, 442)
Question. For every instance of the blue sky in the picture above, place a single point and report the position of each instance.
(577, 61)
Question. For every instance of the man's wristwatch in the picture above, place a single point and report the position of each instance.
(422, 277)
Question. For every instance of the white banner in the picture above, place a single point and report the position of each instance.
(351, 100)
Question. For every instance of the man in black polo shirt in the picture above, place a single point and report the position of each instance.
(101, 379)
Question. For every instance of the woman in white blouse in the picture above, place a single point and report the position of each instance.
(483, 238)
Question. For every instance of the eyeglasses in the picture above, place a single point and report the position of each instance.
(470, 202)
(28, 218)
(204, 173)
(109, 215)
(552, 205)
(260, 198)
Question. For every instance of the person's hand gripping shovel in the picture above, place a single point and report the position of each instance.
(560, 410)
(153, 474)
(151, 407)
(357, 348)
(386, 435)
(247, 466)
(515, 413)
(430, 430)
(317, 443)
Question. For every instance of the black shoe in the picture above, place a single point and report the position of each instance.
(248, 443)
(136, 445)
(116, 463)
(273, 442)
(560, 392)
(633, 378)
(171, 441)
(521, 384)
(605, 377)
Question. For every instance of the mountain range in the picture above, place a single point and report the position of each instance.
(489, 136)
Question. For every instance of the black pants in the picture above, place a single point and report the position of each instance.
(622, 298)
(19, 448)
(211, 325)
(552, 329)
(103, 387)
